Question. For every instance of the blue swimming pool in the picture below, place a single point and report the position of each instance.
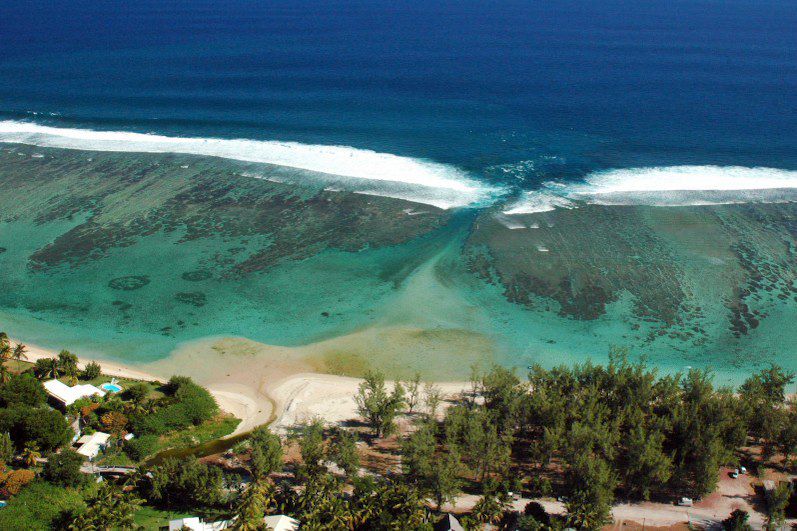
(111, 387)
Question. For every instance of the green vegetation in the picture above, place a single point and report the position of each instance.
(40, 506)
(587, 434)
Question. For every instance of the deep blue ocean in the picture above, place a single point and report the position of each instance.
(509, 90)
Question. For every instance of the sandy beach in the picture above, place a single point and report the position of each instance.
(256, 383)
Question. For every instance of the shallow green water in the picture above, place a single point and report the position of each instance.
(127, 256)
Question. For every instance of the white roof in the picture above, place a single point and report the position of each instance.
(90, 444)
(195, 524)
(281, 522)
(68, 395)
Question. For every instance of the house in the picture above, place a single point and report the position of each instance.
(66, 395)
(90, 445)
(448, 523)
(281, 522)
(194, 523)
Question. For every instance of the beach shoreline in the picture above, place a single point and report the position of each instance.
(292, 395)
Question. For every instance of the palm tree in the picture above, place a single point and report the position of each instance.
(5, 346)
(47, 367)
(110, 508)
(19, 352)
(5, 374)
(31, 455)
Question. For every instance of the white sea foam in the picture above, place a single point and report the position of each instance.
(438, 184)
(665, 186)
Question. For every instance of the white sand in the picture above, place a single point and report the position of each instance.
(259, 384)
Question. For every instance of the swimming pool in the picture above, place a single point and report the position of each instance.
(111, 387)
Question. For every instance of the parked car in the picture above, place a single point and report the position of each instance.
(685, 502)
(735, 473)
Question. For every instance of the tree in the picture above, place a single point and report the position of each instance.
(67, 363)
(266, 455)
(737, 521)
(22, 389)
(31, 455)
(413, 388)
(5, 346)
(46, 368)
(343, 452)
(592, 483)
(19, 352)
(110, 508)
(63, 469)
(377, 406)
(646, 464)
(503, 396)
(432, 473)
(5, 373)
(491, 507)
(91, 371)
(137, 392)
(6, 448)
(46, 428)
(313, 451)
(776, 505)
(185, 482)
(433, 398)
(255, 502)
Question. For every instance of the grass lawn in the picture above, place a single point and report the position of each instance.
(215, 428)
(152, 518)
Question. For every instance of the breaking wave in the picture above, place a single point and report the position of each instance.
(664, 186)
(366, 171)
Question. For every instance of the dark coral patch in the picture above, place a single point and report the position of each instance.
(196, 276)
(194, 298)
(129, 283)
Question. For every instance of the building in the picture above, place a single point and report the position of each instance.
(277, 522)
(66, 395)
(281, 522)
(194, 523)
(448, 523)
(90, 445)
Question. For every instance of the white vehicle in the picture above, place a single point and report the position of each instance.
(685, 502)
(742, 470)
(735, 473)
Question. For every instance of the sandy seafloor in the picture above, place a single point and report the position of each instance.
(187, 261)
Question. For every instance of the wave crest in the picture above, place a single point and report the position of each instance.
(437, 184)
(665, 186)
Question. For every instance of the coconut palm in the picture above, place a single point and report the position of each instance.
(110, 508)
(19, 352)
(5, 374)
(5, 346)
(47, 367)
(31, 455)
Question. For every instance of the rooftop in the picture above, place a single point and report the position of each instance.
(69, 395)
(90, 445)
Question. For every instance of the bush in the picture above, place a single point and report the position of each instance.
(137, 392)
(91, 371)
(175, 383)
(12, 481)
(141, 447)
(63, 469)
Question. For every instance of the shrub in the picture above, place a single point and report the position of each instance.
(175, 383)
(193, 405)
(91, 371)
(12, 481)
(63, 469)
(114, 422)
(137, 392)
(186, 483)
(141, 447)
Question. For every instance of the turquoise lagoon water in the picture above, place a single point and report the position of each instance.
(552, 177)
